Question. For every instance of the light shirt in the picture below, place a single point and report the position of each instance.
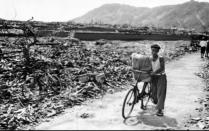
(156, 66)
(203, 43)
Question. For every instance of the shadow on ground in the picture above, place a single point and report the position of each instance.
(148, 117)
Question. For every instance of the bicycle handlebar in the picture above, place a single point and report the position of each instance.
(140, 71)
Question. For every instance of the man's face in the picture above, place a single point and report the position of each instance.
(154, 51)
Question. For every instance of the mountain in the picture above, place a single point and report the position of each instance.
(191, 14)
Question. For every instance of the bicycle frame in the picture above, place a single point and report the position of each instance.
(136, 95)
(135, 89)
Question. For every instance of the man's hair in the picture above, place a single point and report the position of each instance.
(155, 46)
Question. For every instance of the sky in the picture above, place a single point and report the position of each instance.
(65, 10)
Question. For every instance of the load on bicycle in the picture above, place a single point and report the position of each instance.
(141, 63)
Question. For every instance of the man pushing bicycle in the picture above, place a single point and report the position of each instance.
(151, 72)
(158, 79)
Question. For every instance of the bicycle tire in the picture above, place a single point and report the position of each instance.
(146, 97)
(125, 103)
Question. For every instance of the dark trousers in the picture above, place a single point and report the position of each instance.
(202, 51)
(207, 51)
(159, 88)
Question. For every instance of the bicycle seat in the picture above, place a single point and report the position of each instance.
(132, 84)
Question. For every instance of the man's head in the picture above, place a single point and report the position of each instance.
(203, 38)
(155, 49)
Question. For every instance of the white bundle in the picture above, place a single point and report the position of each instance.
(141, 62)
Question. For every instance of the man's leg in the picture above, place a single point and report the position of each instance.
(154, 89)
(205, 52)
(202, 51)
(161, 93)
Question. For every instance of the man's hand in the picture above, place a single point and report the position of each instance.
(129, 68)
(152, 73)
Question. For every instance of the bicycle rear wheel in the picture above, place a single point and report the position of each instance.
(128, 104)
(146, 97)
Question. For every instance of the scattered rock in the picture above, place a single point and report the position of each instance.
(73, 75)
(201, 125)
(86, 115)
(101, 42)
(100, 78)
(196, 119)
(52, 113)
(207, 118)
(203, 121)
(111, 91)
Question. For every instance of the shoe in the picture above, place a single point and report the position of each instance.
(159, 113)
(154, 101)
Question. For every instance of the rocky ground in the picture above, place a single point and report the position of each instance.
(42, 76)
(185, 89)
(83, 70)
(202, 119)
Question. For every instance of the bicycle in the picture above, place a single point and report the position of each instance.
(136, 94)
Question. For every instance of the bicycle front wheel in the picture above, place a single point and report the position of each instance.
(128, 104)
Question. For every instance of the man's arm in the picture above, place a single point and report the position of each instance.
(139, 71)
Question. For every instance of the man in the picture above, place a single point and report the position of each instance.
(207, 49)
(203, 45)
(159, 79)
(1, 54)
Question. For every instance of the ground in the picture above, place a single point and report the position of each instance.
(184, 88)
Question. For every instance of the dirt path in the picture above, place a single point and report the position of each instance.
(184, 88)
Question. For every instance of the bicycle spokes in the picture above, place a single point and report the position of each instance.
(146, 97)
(128, 104)
(129, 101)
(135, 96)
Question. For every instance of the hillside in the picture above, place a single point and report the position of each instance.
(191, 14)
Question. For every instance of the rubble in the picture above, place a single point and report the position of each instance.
(201, 125)
(47, 75)
(202, 122)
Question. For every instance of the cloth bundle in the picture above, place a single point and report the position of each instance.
(143, 63)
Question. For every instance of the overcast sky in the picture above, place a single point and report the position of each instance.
(64, 10)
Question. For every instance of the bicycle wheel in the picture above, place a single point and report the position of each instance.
(146, 97)
(128, 104)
